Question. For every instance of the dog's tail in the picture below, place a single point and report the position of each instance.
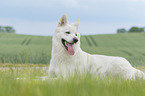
(140, 74)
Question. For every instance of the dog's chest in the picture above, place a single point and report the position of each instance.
(66, 66)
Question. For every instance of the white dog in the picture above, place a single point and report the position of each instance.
(67, 58)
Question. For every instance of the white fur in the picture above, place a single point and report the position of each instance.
(64, 65)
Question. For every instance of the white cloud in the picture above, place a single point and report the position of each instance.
(95, 1)
(68, 3)
(56, 3)
(42, 3)
(137, 0)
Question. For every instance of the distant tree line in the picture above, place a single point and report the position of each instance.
(132, 30)
(7, 29)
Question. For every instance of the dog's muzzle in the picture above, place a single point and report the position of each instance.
(69, 46)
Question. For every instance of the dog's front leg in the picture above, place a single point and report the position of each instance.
(52, 74)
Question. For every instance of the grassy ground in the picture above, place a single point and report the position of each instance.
(31, 51)
(33, 85)
(37, 49)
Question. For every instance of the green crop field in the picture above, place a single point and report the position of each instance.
(24, 59)
(20, 49)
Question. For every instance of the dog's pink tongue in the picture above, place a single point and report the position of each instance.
(70, 49)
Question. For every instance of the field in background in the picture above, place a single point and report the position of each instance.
(20, 49)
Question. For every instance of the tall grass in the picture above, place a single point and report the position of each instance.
(32, 85)
(24, 57)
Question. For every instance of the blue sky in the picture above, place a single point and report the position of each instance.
(40, 17)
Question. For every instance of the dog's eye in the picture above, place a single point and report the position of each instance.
(67, 32)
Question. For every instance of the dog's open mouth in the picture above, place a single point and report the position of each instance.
(68, 46)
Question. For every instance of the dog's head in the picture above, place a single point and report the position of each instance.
(68, 35)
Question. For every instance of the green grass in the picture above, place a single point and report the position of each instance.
(32, 85)
(24, 49)
(20, 49)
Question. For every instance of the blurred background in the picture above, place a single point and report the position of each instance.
(40, 17)
(108, 27)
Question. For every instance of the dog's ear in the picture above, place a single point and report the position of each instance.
(76, 24)
(63, 21)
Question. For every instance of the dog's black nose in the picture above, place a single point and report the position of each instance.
(75, 40)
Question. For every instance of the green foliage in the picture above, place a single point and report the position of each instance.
(122, 30)
(7, 29)
(136, 29)
(132, 30)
